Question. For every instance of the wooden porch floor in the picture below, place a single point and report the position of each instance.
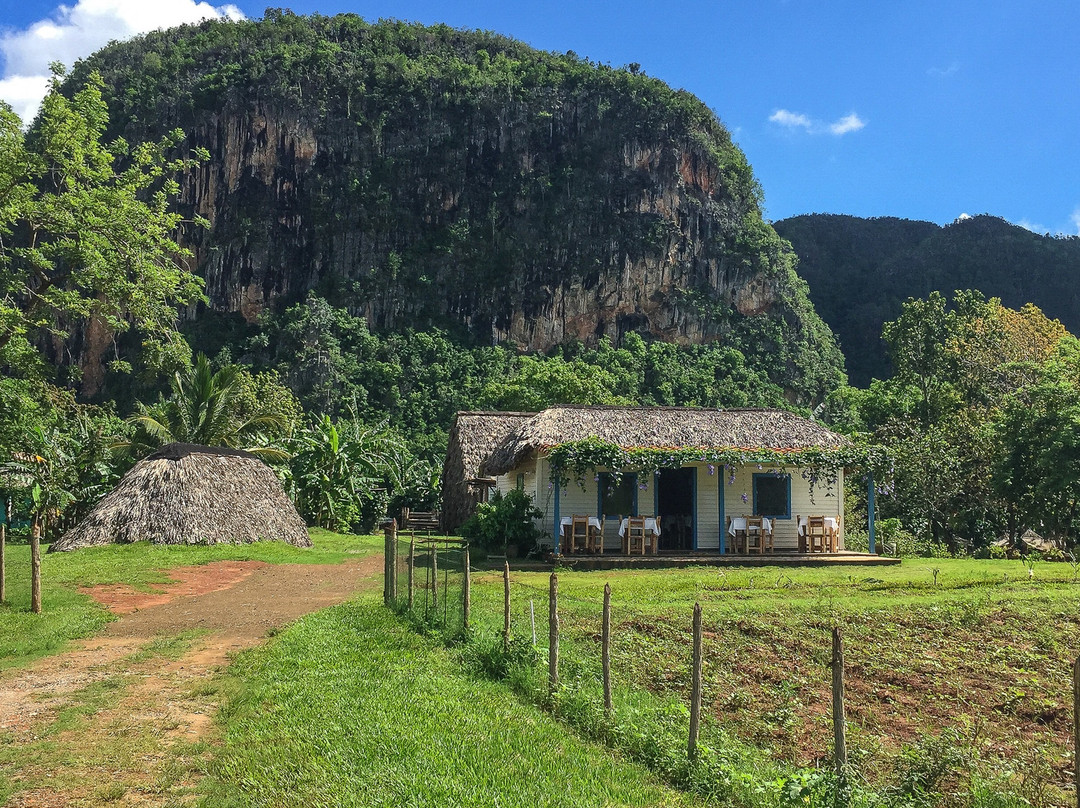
(618, 561)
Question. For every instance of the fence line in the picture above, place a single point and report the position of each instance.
(454, 617)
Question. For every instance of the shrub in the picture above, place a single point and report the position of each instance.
(506, 521)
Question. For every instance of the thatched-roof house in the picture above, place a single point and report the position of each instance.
(473, 437)
(187, 494)
(692, 492)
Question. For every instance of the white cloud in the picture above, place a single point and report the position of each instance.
(1027, 224)
(1071, 229)
(72, 32)
(792, 120)
(797, 120)
(849, 123)
(942, 72)
(24, 93)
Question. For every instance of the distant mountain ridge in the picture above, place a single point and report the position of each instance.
(861, 270)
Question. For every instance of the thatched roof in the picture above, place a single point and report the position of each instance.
(187, 494)
(473, 436)
(661, 427)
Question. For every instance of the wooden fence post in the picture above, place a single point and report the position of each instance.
(532, 620)
(35, 565)
(389, 531)
(3, 562)
(1076, 729)
(839, 728)
(412, 568)
(3, 557)
(605, 649)
(553, 634)
(467, 593)
(435, 580)
(695, 691)
(393, 562)
(506, 606)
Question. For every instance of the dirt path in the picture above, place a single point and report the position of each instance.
(123, 718)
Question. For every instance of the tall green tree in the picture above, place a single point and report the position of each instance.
(1037, 472)
(86, 227)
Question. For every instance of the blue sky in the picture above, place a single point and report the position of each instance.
(923, 110)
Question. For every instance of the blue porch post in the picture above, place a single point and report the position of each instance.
(558, 528)
(721, 471)
(870, 507)
(693, 506)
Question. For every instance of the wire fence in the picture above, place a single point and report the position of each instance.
(427, 579)
(430, 582)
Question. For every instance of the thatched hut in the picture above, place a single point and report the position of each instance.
(761, 473)
(187, 494)
(473, 437)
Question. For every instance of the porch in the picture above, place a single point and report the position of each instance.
(588, 563)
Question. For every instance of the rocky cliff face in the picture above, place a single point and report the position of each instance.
(430, 177)
(588, 258)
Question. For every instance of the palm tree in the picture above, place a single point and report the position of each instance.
(203, 409)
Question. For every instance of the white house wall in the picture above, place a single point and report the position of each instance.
(826, 501)
(582, 499)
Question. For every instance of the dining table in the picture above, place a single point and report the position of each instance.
(832, 528)
(651, 525)
(566, 521)
(738, 525)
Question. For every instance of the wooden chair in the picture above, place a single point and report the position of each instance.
(755, 535)
(595, 541)
(650, 536)
(635, 535)
(767, 537)
(579, 532)
(739, 537)
(817, 537)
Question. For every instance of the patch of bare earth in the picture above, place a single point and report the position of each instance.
(126, 716)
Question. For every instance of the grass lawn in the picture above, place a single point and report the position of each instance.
(67, 614)
(349, 707)
(982, 653)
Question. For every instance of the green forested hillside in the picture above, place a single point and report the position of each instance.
(425, 177)
(861, 270)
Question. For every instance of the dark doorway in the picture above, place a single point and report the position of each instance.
(675, 507)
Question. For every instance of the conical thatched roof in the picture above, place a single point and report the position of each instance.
(473, 436)
(186, 494)
(661, 427)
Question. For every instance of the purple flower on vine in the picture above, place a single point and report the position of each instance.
(745, 498)
(712, 469)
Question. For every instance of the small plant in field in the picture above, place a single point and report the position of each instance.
(923, 768)
(1029, 562)
(935, 571)
(1074, 564)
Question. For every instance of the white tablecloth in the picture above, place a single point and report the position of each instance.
(831, 524)
(650, 525)
(566, 520)
(739, 523)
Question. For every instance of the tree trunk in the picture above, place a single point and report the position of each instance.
(35, 565)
